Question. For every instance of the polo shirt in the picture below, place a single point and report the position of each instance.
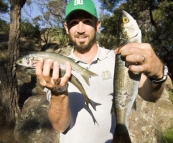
(92, 125)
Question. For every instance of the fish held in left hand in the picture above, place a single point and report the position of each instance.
(125, 82)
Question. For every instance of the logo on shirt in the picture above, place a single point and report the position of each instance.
(106, 75)
(77, 2)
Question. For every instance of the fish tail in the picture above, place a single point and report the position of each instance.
(89, 102)
(122, 136)
(86, 74)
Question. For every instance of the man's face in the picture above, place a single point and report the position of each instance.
(82, 29)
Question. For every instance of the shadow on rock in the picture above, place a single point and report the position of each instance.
(33, 124)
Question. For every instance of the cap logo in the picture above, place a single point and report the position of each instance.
(77, 2)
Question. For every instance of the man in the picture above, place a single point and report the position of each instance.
(68, 112)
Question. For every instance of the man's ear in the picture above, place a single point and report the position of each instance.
(66, 27)
(98, 25)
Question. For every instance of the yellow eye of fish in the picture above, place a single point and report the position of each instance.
(125, 20)
(20, 61)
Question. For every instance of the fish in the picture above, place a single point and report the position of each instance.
(125, 82)
(30, 59)
(73, 80)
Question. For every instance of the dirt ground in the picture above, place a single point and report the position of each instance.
(6, 133)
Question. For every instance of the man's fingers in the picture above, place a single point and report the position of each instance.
(48, 65)
(136, 58)
(48, 73)
(137, 68)
(55, 74)
(39, 67)
(135, 48)
(67, 75)
(38, 71)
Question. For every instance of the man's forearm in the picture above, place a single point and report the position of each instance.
(149, 91)
(156, 91)
(59, 113)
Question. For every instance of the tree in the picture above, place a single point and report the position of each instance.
(51, 12)
(9, 81)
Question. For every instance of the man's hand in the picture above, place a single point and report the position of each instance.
(142, 59)
(43, 72)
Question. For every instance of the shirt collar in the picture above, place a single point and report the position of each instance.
(99, 56)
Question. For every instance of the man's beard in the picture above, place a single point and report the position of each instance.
(83, 48)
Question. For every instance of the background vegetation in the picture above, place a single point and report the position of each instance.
(153, 16)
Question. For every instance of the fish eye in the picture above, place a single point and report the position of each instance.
(20, 61)
(125, 20)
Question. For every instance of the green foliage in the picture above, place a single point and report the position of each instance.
(59, 36)
(168, 136)
(29, 31)
(108, 35)
(110, 5)
(4, 26)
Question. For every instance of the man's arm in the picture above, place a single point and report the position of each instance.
(59, 112)
(148, 90)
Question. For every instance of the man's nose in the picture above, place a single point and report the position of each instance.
(80, 27)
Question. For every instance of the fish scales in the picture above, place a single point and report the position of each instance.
(125, 82)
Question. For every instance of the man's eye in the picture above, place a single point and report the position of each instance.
(87, 22)
(73, 23)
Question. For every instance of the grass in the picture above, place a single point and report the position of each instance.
(168, 136)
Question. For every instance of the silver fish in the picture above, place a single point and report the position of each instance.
(29, 60)
(125, 82)
(72, 79)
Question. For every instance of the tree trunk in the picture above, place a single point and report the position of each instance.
(9, 82)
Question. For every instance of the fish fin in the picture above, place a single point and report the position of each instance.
(93, 104)
(122, 136)
(88, 101)
(86, 74)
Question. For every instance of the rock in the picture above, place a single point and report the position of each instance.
(33, 125)
(149, 120)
